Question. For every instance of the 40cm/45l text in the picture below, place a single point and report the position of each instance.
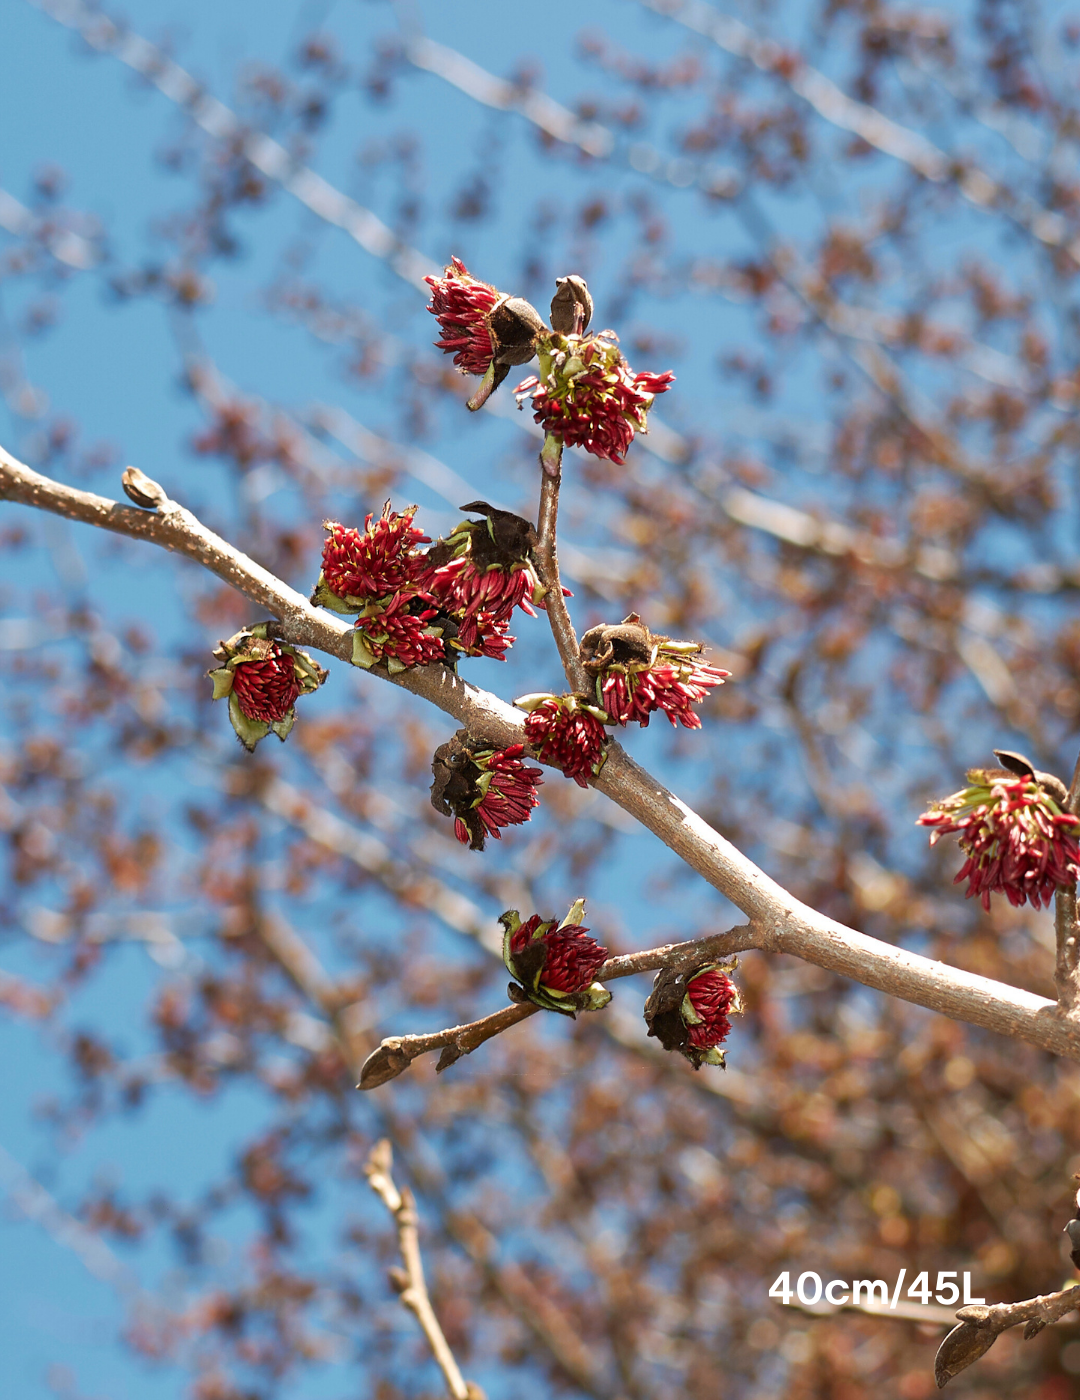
(809, 1289)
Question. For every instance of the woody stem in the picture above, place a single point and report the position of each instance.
(395, 1054)
(547, 564)
(1067, 966)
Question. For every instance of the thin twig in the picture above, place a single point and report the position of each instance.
(536, 1312)
(397, 1052)
(547, 566)
(1067, 937)
(1046, 1308)
(1066, 932)
(410, 1283)
(786, 924)
(979, 1328)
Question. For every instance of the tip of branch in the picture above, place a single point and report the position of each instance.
(964, 1344)
(384, 1063)
(380, 1160)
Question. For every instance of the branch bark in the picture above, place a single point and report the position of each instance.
(410, 1282)
(537, 1313)
(1066, 931)
(397, 1052)
(784, 923)
(980, 1326)
(547, 566)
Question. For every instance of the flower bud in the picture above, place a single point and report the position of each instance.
(482, 788)
(263, 678)
(1072, 1229)
(571, 306)
(588, 395)
(567, 732)
(688, 1010)
(555, 965)
(485, 570)
(1017, 839)
(638, 673)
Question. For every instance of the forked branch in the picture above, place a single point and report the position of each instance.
(409, 1281)
(547, 566)
(784, 924)
(397, 1052)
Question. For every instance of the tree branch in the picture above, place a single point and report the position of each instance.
(785, 924)
(547, 566)
(1066, 932)
(397, 1052)
(410, 1281)
(980, 1326)
(1067, 938)
(1046, 1308)
(537, 1313)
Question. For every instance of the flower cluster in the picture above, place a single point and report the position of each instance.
(485, 331)
(1017, 839)
(414, 607)
(400, 630)
(358, 565)
(263, 679)
(554, 964)
(379, 574)
(587, 395)
(462, 305)
(483, 570)
(482, 788)
(690, 1010)
(567, 732)
(637, 673)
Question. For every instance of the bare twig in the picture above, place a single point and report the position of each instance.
(784, 923)
(980, 1326)
(397, 1052)
(1067, 934)
(537, 1313)
(1046, 1308)
(410, 1281)
(547, 565)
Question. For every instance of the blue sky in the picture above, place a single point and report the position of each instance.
(116, 370)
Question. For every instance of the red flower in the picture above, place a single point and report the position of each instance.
(469, 589)
(689, 1010)
(673, 688)
(565, 731)
(483, 789)
(462, 305)
(1017, 839)
(588, 395)
(358, 565)
(267, 690)
(638, 673)
(397, 629)
(712, 995)
(484, 331)
(263, 678)
(480, 573)
(480, 635)
(555, 965)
